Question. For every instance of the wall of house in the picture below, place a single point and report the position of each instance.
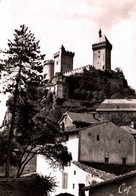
(77, 176)
(107, 143)
(68, 122)
(68, 179)
(73, 146)
(120, 187)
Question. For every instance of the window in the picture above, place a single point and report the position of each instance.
(123, 161)
(106, 160)
(99, 56)
(62, 125)
(98, 138)
(119, 141)
(66, 119)
(74, 172)
(65, 180)
(73, 186)
(67, 137)
(56, 62)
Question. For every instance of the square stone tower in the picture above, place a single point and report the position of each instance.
(63, 61)
(102, 53)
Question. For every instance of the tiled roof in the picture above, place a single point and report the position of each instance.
(118, 105)
(99, 173)
(114, 179)
(72, 129)
(83, 117)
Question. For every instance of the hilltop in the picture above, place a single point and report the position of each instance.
(88, 89)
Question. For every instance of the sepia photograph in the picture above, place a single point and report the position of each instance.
(67, 98)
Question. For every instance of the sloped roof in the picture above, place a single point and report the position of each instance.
(99, 173)
(102, 39)
(118, 105)
(114, 179)
(82, 117)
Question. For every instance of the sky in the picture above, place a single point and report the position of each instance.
(75, 24)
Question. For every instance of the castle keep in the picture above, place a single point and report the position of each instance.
(102, 53)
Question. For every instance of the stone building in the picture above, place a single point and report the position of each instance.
(110, 107)
(100, 142)
(107, 143)
(102, 53)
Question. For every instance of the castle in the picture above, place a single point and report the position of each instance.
(62, 65)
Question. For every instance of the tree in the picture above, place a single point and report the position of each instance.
(24, 63)
(27, 129)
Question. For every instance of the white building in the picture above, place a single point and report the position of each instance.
(72, 178)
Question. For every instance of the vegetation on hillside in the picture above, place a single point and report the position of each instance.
(87, 90)
(96, 85)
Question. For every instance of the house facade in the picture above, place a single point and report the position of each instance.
(73, 178)
(107, 143)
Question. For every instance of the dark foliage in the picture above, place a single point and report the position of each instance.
(98, 85)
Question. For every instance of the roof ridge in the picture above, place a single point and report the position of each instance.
(93, 170)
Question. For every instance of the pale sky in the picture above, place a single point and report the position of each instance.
(75, 24)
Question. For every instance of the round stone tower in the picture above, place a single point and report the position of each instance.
(49, 69)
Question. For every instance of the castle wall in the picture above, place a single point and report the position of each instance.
(77, 70)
